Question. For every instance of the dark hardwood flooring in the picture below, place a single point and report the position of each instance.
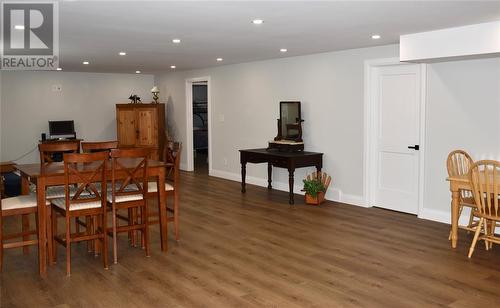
(253, 250)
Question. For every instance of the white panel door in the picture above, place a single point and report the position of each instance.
(397, 99)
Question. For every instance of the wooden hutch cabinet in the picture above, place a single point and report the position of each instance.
(141, 125)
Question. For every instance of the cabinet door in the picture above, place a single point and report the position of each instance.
(147, 125)
(126, 127)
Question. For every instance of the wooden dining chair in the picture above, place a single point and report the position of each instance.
(459, 163)
(85, 169)
(485, 180)
(172, 157)
(93, 147)
(14, 206)
(90, 147)
(47, 151)
(130, 194)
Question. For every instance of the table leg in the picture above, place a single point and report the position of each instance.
(26, 228)
(243, 175)
(290, 185)
(455, 197)
(25, 218)
(25, 185)
(269, 175)
(162, 205)
(42, 226)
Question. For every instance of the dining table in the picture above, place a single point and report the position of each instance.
(458, 183)
(53, 175)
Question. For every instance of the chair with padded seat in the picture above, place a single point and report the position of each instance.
(21, 205)
(172, 157)
(79, 205)
(47, 152)
(129, 194)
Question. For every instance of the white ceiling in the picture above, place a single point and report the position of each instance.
(97, 31)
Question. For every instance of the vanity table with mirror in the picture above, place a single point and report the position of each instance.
(285, 151)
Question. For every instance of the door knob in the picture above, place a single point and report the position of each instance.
(416, 147)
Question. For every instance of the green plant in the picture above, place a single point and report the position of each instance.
(313, 187)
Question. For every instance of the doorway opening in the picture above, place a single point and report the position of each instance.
(198, 125)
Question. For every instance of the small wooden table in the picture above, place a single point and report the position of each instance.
(457, 183)
(54, 175)
(288, 160)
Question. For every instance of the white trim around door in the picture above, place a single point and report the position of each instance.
(189, 122)
(370, 130)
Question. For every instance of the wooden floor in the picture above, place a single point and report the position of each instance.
(254, 250)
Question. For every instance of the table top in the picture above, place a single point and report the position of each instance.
(57, 168)
(282, 154)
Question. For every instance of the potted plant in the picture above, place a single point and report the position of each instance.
(315, 187)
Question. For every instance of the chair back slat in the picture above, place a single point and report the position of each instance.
(486, 187)
(48, 149)
(91, 147)
(133, 163)
(85, 169)
(459, 163)
(173, 151)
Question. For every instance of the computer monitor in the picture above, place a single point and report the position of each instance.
(62, 129)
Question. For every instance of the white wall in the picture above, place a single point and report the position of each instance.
(330, 87)
(28, 103)
(463, 111)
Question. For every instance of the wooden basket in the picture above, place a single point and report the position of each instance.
(320, 197)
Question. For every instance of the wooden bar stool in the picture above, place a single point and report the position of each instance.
(20, 205)
(172, 157)
(130, 194)
(87, 169)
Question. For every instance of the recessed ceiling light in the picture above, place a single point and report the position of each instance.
(257, 21)
(19, 27)
(86, 62)
(173, 66)
(122, 53)
(137, 72)
(219, 59)
(375, 37)
(176, 41)
(283, 50)
(59, 69)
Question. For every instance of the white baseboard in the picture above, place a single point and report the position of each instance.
(332, 194)
(183, 166)
(353, 199)
(435, 215)
(444, 216)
